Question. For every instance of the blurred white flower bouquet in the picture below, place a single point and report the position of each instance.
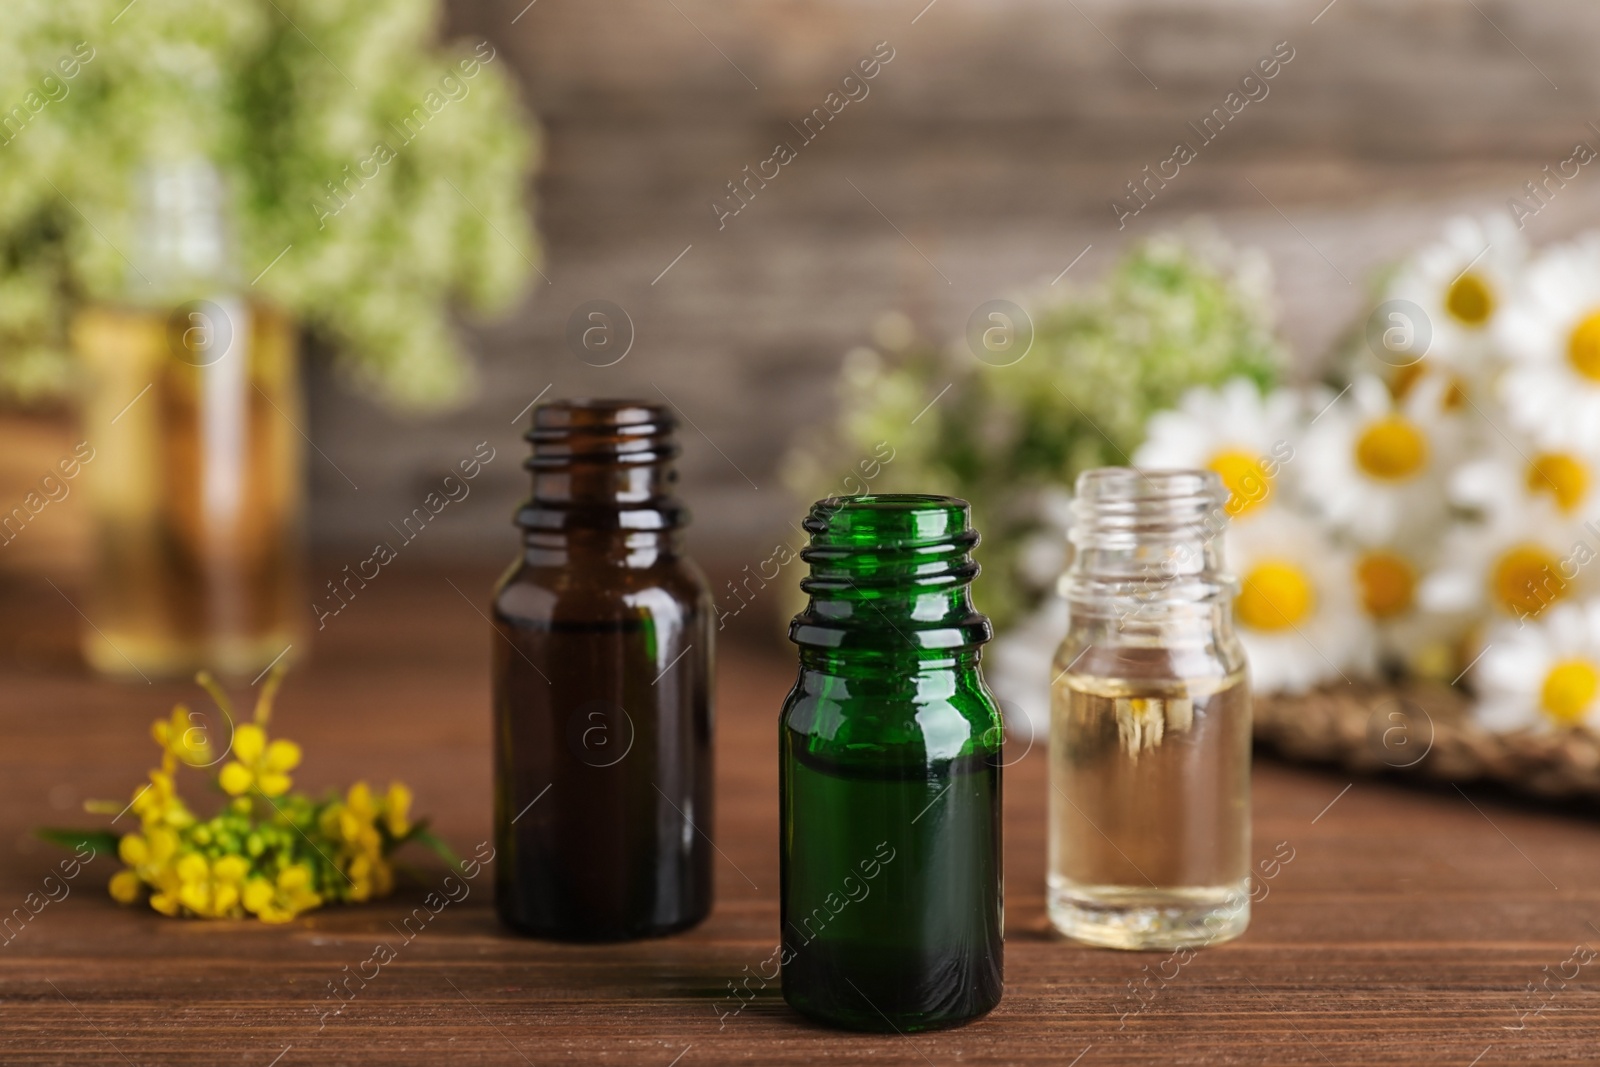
(378, 175)
(1431, 514)
(1434, 514)
(1171, 315)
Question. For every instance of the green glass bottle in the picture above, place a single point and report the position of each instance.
(889, 764)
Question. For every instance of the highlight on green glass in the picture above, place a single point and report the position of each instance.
(892, 885)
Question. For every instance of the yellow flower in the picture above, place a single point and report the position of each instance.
(259, 763)
(183, 737)
(126, 887)
(281, 900)
(133, 850)
(397, 809)
(352, 821)
(165, 880)
(194, 883)
(370, 876)
(210, 888)
(240, 862)
(163, 845)
(159, 803)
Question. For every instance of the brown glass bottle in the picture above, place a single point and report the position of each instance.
(602, 688)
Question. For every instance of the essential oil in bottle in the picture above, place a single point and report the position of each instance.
(1150, 721)
(889, 760)
(602, 688)
(195, 489)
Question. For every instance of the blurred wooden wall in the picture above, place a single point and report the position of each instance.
(990, 145)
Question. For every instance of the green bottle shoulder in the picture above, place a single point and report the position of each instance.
(927, 715)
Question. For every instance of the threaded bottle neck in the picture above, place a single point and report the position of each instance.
(602, 464)
(890, 574)
(1153, 535)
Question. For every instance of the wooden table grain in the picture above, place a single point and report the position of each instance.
(1411, 925)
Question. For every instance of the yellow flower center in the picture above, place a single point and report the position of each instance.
(1246, 480)
(1470, 300)
(1391, 448)
(1406, 377)
(1387, 584)
(1524, 581)
(1568, 690)
(1583, 347)
(1562, 476)
(1275, 595)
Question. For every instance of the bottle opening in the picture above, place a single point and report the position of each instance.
(891, 520)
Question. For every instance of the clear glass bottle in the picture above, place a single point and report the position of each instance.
(197, 484)
(602, 688)
(1150, 720)
(889, 770)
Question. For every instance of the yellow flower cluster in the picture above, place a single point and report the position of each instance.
(269, 853)
(358, 825)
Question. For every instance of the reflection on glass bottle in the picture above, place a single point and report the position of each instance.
(1150, 721)
(193, 398)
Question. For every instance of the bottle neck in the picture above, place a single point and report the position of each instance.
(1147, 560)
(890, 580)
(183, 244)
(602, 478)
(634, 549)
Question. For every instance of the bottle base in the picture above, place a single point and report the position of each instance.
(575, 933)
(874, 1023)
(1149, 919)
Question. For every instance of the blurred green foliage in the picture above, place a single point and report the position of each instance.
(1173, 313)
(283, 96)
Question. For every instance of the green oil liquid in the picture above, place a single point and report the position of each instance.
(892, 896)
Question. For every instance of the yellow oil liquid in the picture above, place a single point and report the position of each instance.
(1149, 810)
(196, 489)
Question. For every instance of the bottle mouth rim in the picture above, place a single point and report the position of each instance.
(894, 528)
(1136, 485)
(895, 502)
(599, 415)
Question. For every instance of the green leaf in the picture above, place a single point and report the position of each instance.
(433, 842)
(102, 842)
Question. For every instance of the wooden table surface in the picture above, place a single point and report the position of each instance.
(1412, 925)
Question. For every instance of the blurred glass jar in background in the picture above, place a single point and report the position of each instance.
(192, 401)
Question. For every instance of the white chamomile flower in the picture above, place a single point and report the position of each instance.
(1375, 466)
(1233, 430)
(1542, 675)
(1515, 564)
(1461, 284)
(1517, 475)
(1296, 611)
(1387, 580)
(1550, 332)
